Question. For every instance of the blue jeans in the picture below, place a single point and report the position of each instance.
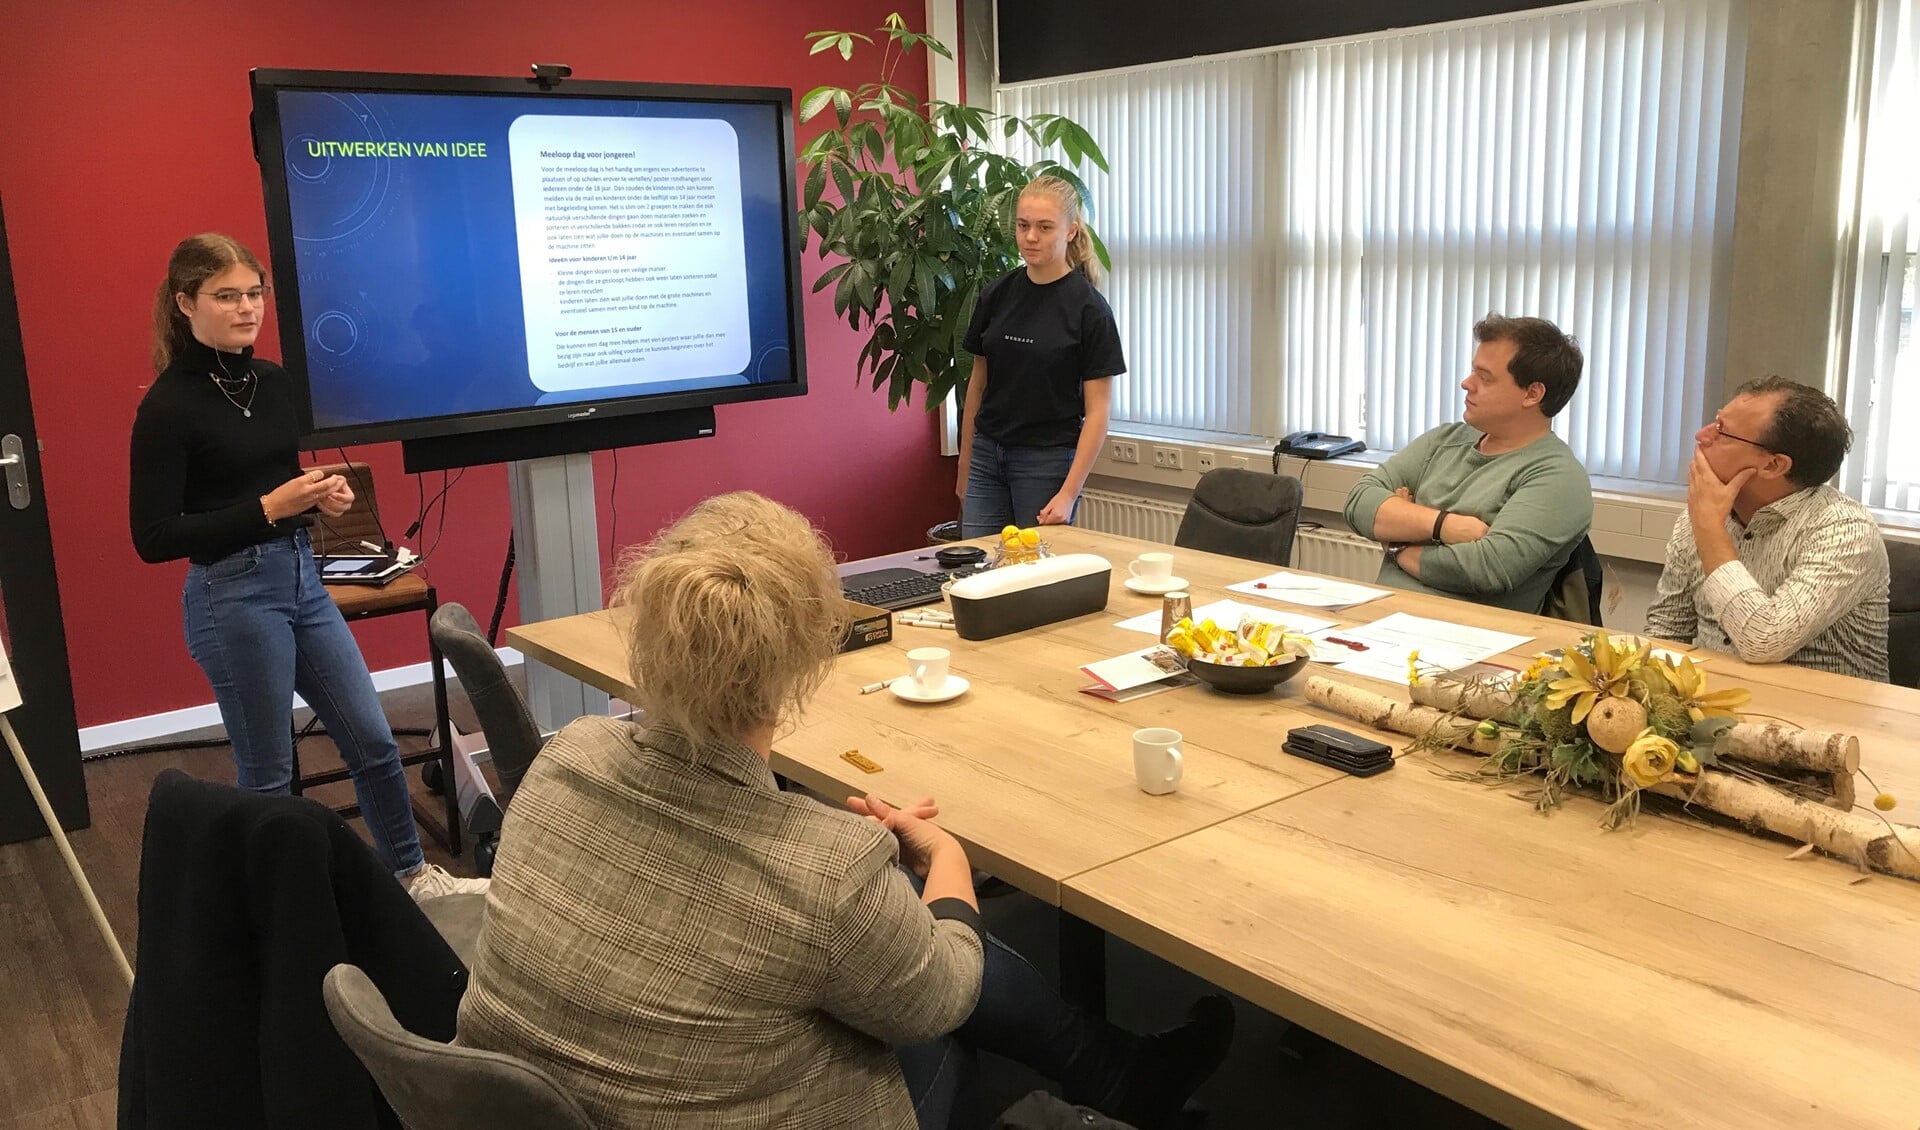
(1024, 1018)
(262, 626)
(1009, 486)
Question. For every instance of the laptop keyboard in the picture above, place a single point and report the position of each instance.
(894, 589)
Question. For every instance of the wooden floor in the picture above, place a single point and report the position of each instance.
(62, 1001)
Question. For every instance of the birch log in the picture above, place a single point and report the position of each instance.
(1383, 713)
(1850, 835)
(1472, 700)
(1894, 848)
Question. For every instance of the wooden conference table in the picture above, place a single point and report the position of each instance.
(1536, 968)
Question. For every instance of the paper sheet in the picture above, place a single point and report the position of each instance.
(1315, 592)
(1389, 641)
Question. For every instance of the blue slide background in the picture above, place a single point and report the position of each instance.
(409, 267)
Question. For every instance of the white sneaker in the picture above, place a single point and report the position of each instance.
(434, 881)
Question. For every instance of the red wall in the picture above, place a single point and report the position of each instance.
(126, 129)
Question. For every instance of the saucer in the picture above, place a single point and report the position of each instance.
(903, 688)
(1151, 587)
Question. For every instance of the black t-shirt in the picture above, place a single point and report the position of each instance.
(1041, 342)
(200, 463)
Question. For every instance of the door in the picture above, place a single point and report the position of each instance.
(30, 625)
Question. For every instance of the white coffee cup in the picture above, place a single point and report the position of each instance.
(927, 666)
(1156, 759)
(1152, 566)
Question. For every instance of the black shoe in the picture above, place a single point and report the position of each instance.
(1171, 1065)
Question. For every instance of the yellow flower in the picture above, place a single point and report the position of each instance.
(1413, 668)
(1586, 681)
(1650, 759)
(1535, 669)
(1690, 683)
(1885, 802)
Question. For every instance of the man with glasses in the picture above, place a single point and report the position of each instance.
(1770, 561)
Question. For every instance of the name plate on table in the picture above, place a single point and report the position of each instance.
(1014, 598)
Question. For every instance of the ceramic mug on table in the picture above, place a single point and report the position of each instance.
(1152, 566)
(1157, 763)
(927, 667)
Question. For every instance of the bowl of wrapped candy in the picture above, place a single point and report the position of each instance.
(1254, 658)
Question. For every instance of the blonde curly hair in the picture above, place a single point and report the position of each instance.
(736, 617)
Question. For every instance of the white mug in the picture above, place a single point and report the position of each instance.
(1156, 760)
(1152, 566)
(928, 668)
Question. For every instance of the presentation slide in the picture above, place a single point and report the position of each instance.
(468, 253)
(631, 262)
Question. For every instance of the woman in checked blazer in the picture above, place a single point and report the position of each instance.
(681, 943)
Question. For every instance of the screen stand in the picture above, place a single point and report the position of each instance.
(556, 547)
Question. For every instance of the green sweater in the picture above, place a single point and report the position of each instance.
(1536, 502)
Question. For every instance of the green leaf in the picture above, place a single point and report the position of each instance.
(843, 180)
(923, 283)
(1083, 141)
(826, 44)
(815, 101)
(828, 276)
(876, 146)
(846, 52)
(843, 106)
(816, 183)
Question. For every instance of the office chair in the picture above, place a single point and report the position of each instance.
(1575, 592)
(1243, 513)
(436, 1086)
(512, 738)
(1903, 613)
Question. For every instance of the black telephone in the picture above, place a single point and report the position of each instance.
(1317, 445)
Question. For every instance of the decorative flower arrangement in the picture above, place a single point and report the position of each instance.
(1610, 715)
(1607, 716)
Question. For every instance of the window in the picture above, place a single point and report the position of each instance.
(1876, 369)
(1303, 238)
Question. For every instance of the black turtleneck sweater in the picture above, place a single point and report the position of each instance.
(199, 465)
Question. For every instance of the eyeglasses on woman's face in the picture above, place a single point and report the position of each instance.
(230, 299)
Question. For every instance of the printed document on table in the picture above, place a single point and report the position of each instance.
(1315, 592)
(1443, 646)
(1227, 613)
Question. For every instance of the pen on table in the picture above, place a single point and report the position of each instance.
(879, 686)
(918, 623)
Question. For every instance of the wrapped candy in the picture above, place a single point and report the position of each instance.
(1253, 643)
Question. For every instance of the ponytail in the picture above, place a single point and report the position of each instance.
(1080, 256)
(196, 259)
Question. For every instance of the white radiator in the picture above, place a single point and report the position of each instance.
(1333, 552)
(1337, 554)
(1129, 515)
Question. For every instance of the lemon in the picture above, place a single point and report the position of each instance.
(1010, 533)
(1030, 538)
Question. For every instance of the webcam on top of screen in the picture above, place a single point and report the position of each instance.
(548, 75)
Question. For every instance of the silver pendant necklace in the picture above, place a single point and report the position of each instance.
(244, 381)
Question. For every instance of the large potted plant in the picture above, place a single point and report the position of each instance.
(917, 205)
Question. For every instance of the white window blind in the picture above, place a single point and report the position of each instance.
(1304, 238)
(1876, 367)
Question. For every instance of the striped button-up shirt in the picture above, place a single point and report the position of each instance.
(1809, 587)
(681, 944)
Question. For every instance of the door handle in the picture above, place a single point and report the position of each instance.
(13, 457)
